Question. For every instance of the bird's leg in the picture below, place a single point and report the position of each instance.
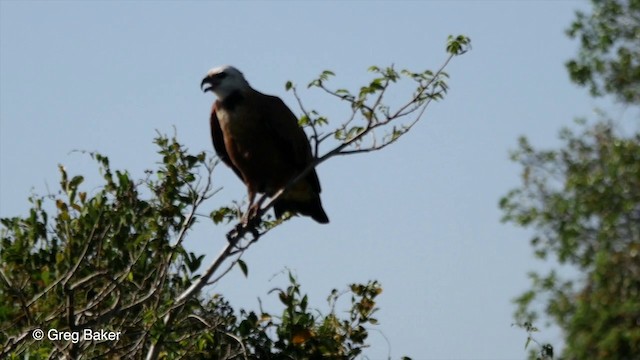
(244, 224)
(254, 209)
(250, 209)
(249, 221)
(258, 205)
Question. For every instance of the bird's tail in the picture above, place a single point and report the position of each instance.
(310, 207)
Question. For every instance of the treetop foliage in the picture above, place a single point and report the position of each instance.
(115, 261)
(609, 57)
(583, 201)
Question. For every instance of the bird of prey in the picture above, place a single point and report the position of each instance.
(259, 138)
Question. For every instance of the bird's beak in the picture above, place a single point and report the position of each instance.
(206, 84)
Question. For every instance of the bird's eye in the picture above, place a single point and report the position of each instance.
(220, 76)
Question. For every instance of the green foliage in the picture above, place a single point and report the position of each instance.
(114, 261)
(609, 58)
(301, 334)
(583, 200)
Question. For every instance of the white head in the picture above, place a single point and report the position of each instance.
(223, 81)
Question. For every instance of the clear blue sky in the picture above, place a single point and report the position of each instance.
(421, 216)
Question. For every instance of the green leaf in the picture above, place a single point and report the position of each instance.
(243, 267)
(328, 73)
(224, 213)
(75, 181)
(304, 120)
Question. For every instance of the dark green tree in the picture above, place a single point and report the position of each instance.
(113, 258)
(609, 57)
(583, 201)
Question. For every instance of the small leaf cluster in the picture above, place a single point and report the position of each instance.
(458, 45)
(545, 351)
(370, 112)
(301, 333)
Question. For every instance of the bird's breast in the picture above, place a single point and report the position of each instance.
(253, 149)
(223, 118)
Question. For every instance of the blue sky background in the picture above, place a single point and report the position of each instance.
(420, 216)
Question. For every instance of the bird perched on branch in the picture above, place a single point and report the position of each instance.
(259, 138)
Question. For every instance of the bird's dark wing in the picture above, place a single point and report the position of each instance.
(292, 139)
(218, 141)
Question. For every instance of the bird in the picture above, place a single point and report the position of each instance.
(259, 138)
